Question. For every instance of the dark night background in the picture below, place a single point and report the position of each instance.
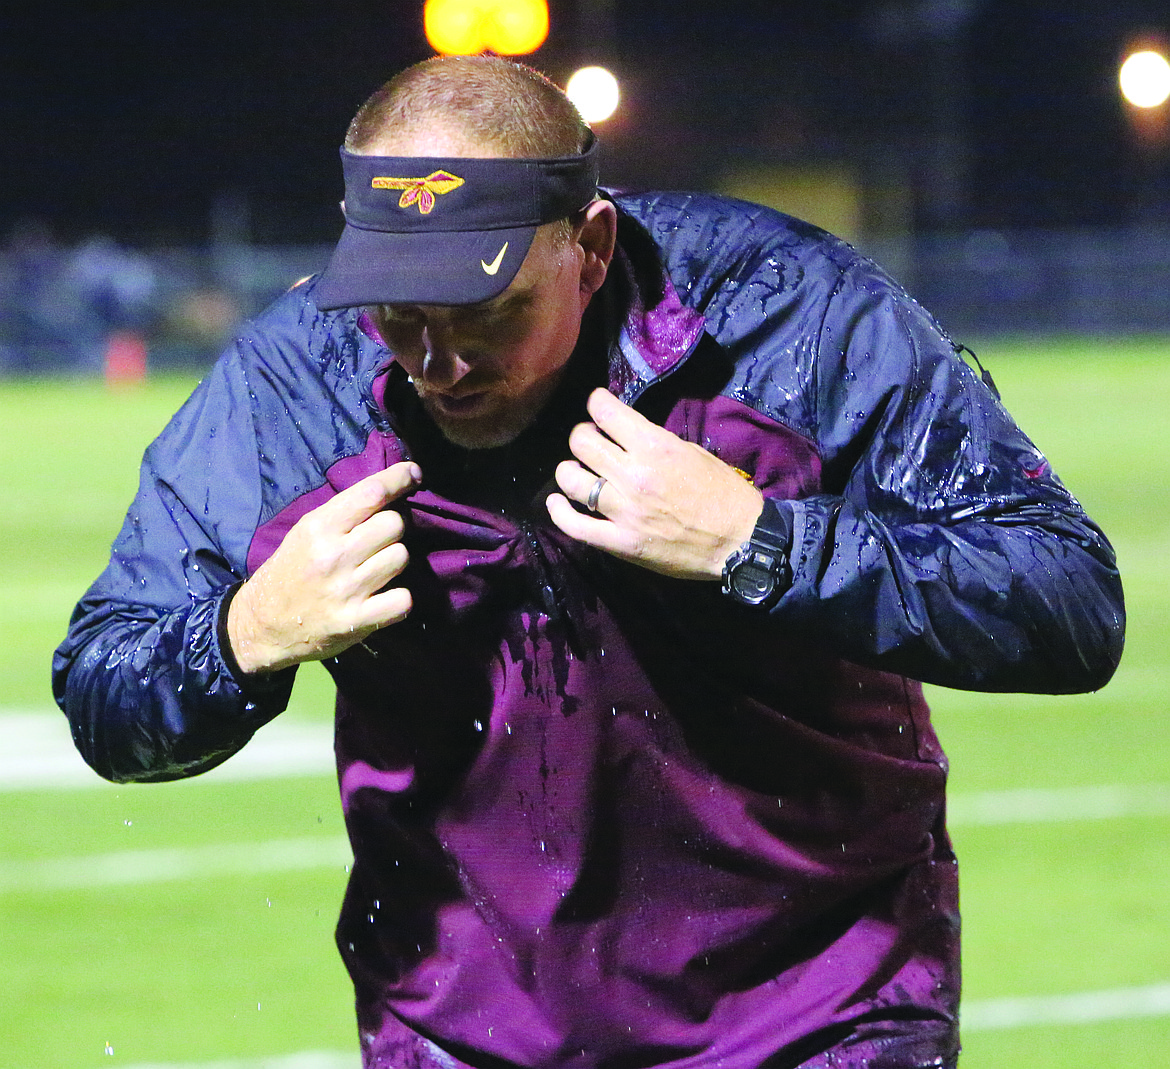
(133, 117)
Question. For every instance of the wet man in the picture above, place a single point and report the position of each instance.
(626, 527)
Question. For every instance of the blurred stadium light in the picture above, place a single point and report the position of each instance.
(468, 27)
(595, 93)
(1145, 78)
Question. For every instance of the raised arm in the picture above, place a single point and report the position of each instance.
(173, 660)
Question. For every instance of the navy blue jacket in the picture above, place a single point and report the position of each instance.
(598, 814)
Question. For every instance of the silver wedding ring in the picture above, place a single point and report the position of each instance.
(594, 494)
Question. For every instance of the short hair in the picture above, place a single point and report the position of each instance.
(495, 101)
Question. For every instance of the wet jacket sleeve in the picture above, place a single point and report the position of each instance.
(943, 547)
(145, 675)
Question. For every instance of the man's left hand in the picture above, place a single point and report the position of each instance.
(666, 504)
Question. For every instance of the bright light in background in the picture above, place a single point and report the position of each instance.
(1145, 79)
(594, 92)
(468, 27)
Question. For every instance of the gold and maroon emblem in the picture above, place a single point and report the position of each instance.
(420, 192)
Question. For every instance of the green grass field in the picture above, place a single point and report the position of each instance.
(108, 965)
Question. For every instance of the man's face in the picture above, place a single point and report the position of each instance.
(483, 372)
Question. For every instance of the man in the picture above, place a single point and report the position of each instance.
(625, 526)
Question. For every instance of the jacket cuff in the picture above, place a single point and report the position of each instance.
(253, 685)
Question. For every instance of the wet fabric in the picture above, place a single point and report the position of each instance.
(601, 817)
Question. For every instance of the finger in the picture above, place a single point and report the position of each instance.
(629, 429)
(595, 451)
(360, 501)
(578, 484)
(380, 569)
(382, 610)
(577, 525)
(374, 533)
(389, 607)
(594, 531)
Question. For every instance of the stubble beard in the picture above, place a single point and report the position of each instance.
(504, 418)
(499, 426)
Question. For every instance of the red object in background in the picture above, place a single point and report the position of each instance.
(125, 358)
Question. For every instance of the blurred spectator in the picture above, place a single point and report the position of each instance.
(201, 320)
(59, 306)
(30, 272)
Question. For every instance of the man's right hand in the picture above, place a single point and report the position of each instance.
(325, 587)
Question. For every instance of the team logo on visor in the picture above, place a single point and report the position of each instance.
(420, 191)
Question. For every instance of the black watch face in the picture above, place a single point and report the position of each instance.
(753, 582)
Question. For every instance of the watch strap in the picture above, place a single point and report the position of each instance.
(773, 529)
(770, 538)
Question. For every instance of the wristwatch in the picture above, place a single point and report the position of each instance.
(758, 572)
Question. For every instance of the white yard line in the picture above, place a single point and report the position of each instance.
(310, 1059)
(1086, 1007)
(126, 867)
(1040, 805)
(37, 753)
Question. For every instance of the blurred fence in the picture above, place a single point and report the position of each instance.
(1089, 281)
(68, 308)
(60, 307)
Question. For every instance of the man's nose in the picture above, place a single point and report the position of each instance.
(443, 366)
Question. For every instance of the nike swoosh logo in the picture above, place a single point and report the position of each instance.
(494, 266)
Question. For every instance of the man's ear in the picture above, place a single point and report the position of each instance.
(597, 236)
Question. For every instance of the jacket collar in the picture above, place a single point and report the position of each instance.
(652, 342)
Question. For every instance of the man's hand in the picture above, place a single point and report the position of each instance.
(324, 589)
(666, 504)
